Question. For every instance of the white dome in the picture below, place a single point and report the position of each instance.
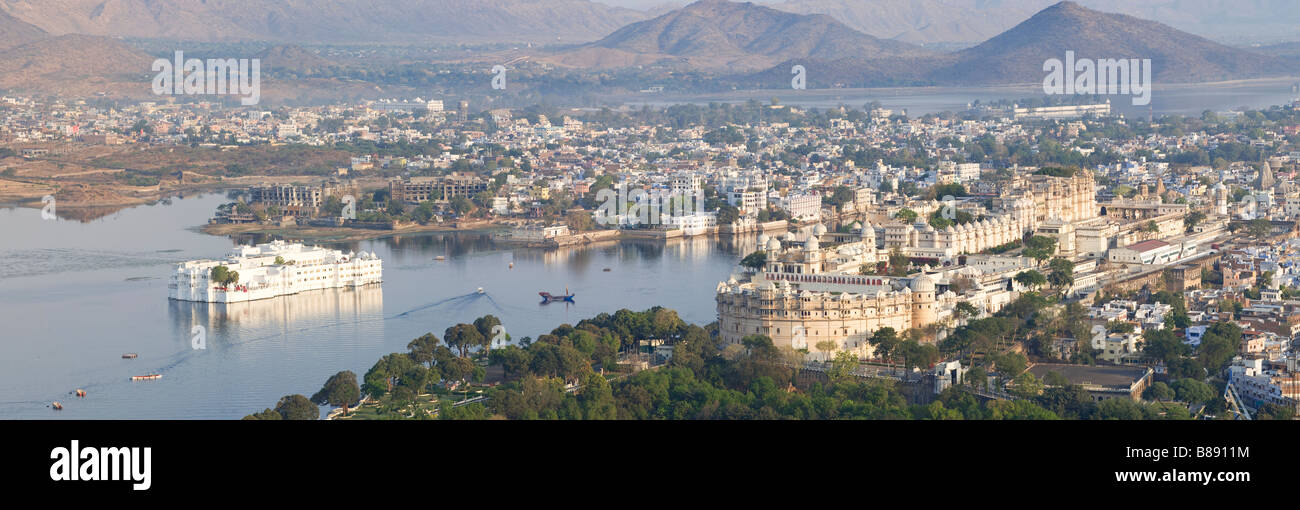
(819, 230)
(773, 245)
(923, 283)
(811, 244)
(762, 239)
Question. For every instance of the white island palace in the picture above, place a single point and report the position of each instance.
(274, 269)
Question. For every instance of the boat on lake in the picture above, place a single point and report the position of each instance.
(149, 377)
(130, 355)
(547, 297)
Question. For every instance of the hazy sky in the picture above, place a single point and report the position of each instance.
(645, 4)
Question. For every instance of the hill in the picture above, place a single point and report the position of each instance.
(291, 57)
(717, 34)
(971, 21)
(923, 21)
(1017, 55)
(335, 21)
(76, 65)
(14, 32)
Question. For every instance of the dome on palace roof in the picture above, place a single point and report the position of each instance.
(773, 244)
(923, 283)
(819, 230)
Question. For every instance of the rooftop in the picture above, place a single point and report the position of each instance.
(1146, 246)
(1109, 376)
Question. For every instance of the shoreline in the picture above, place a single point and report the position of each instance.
(332, 234)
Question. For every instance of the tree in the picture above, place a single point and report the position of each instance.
(486, 326)
(826, 347)
(461, 205)
(883, 342)
(457, 369)
(297, 407)
(755, 261)
(462, 337)
(907, 215)
(1161, 344)
(579, 221)
(1259, 228)
(1031, 278)
(340, 390)
(727, 214)
(1219, 345)
(1158, 391)
(386, 373)
(597, 399)
(916, 354)
(223, 276)
(977, 377)
(266, 414)
(1054, 378)
(842, 367)
(1040, 248)
(1026, 386)
(1193, 391)
(1061, 274)
(422, 349)
(760, 346)
(967, 310)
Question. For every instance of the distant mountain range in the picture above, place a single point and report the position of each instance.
(971, 21)
(1017, 55)
(942, 23)
(719, 34)
(923, 21)
(14, 31)
(79, 65)
(334, 21)
(735, 44)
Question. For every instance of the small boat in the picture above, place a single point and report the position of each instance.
(605, 270)
(57, 406)
(480, 290)
(547, 297)
(81, 392)
(440, 257)
(130, 355)
(149, 377)
(512, 265)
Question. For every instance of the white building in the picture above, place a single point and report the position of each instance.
(801, 206)
(695, 224)
(274, 269)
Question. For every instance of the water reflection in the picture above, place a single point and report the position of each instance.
(226, 321)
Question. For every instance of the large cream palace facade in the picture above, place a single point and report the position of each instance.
(1032, 202)
(808, 294)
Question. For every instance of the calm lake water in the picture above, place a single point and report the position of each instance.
(75, 296)
(1178, 99)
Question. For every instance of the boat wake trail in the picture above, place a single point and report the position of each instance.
(494, 303)
(458, 300)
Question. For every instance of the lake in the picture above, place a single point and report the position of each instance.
(1176, 99)
(75, 296)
